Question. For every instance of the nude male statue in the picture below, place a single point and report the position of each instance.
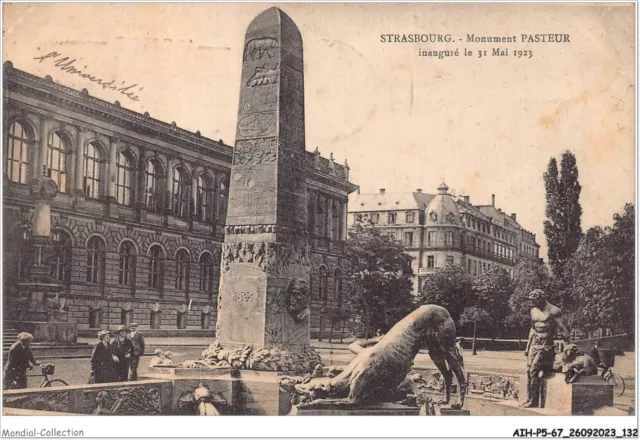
(546, 319)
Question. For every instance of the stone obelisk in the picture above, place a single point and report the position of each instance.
(264, 283)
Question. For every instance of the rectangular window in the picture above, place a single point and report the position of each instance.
(431, 238)
(375, 217)
(448, 238)
(411, 217)
(431, 261)
(408, 239)
(469, 266)
(392, 218)
(449, 260)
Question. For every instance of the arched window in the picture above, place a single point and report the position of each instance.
(153, 187)
(311, 225)
(320, 217)
(205, 198)
(17, 154)
(156, 263)
(57, 160)
(92, 170)
(337, 279)
(25, 258)
(222, 200)
(182, 269)
(61, 262)
(206, 272)
(124, 185)
(127, 266)
(324, 282)
(181, 190)
(335, 220)
(95, 260)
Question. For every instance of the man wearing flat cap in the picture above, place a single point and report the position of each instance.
(20, 359)
(546, 320)
(103, 360)
(138, 350)
(123, 349)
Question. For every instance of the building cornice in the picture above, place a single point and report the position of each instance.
(318, 168)
(47, 90)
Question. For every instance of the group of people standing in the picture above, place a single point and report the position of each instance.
(117, 355)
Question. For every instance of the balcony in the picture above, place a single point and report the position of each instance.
(488, 255)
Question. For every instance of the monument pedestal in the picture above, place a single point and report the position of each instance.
(52, 332)
(579, 398)
(247, 392)
(35, 303)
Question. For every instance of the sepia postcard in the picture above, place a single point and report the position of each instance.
(319, 209)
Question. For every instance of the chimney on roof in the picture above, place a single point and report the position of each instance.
(493, 200)
(513, 216)
(382, 190)
(358, 189)
(419, 190)
(466, 200)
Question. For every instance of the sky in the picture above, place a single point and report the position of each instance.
(403, 121)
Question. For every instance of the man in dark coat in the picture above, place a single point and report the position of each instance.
(138, 350)
(103, 361)
(19, 360)
(123, 349)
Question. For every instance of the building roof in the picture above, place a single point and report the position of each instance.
(442, 209)
(385, 201)
(318, 168)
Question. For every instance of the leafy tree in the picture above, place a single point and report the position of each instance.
(562, 227)
(604, 271)
(379, 292)
(528, 275)
(475, 315)
(450, 287)
(493, 288)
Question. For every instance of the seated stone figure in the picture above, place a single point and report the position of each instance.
(574, 363)
(380, 368)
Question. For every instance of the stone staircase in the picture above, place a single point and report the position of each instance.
(9, 334)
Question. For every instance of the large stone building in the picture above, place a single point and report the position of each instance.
(140, 216)
(440, 229)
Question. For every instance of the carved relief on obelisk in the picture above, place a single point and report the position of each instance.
(264, 288)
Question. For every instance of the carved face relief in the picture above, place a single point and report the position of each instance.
(297, 298)
(433, 216)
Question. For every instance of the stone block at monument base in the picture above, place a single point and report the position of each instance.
(246, 392)
(382, 409)
(53, 332)
(580, 398)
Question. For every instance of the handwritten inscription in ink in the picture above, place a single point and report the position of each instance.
(72, 66)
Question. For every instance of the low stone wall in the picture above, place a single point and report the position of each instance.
(146, 397)
(480, 384)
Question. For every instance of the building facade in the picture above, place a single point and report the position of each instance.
(139, 219)
(439, 229)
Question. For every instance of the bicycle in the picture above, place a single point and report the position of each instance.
(614, 379)
(47, 370)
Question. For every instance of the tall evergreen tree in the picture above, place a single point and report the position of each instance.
(562, 227)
